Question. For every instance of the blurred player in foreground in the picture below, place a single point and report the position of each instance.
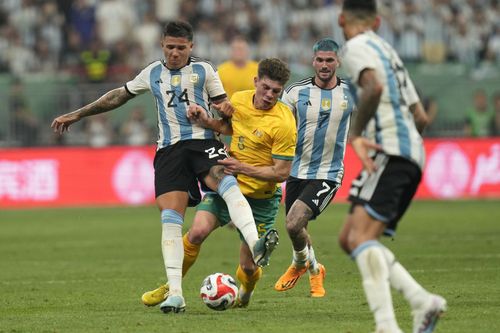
(391, 116)
(186, 152)
(322, 106)
(262, 149)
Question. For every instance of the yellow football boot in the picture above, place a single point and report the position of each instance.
(155, 297)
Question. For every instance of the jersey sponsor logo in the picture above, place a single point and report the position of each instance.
(193, 78)
(326, 103)
(175, 80)
(315, 201)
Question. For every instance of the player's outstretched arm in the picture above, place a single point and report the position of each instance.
(109, 101)
(276, 173)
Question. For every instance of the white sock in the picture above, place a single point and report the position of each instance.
(403, 282)
(301, 257)
(375, 275)
(313, 263)
(173, 250)
(239, 210)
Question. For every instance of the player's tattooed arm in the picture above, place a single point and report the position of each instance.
(109, 101)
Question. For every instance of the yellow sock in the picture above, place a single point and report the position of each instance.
(191, 252)
(248, 281)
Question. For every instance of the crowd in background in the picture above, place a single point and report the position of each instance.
(103, 41)
(112, 39)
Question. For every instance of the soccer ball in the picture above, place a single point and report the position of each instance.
(219, 291)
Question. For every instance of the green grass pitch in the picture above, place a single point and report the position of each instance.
(84, 270)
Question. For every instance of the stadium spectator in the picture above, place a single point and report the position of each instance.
(259, 160)
(135, 131)
(239, 71)
(24, 125)
(99, 131)
(121, 25)
(21, 59)
(50, 32)
(392, 158)
(493, 45)
(147, 34)
(410, 28)
(322, 105)
(81, 19)
(437, 18)
(24, 19)
(95, 62)
(465, 43)
(186, 152)
(478, 118)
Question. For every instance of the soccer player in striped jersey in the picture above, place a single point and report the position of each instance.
(390, 115)
(186, 152)
(262, 148)
(322, 105)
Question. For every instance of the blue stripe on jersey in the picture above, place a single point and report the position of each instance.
(337, 164)
(198, 91)
(176, 101)
(302, 104)
(320, 133)
(402, 129)
(154, 82)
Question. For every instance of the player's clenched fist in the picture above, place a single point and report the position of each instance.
(225, 109)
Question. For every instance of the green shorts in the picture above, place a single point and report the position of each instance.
(264, 210)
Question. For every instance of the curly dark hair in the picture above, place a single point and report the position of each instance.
(275, 69)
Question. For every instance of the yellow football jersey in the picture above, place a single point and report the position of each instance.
(258, 137)
(235, 78)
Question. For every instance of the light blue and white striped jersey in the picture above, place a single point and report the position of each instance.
(173, 91)
(323, 117)
(393, 126)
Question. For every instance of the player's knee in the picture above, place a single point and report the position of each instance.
(197, 235)
(248, 266)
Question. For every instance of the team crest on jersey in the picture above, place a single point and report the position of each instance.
(343, 105)
(257, 133)
(194, 78)
(326, 103)
(175, 80)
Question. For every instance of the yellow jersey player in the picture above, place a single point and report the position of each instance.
(263, 146)
(238, 72)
